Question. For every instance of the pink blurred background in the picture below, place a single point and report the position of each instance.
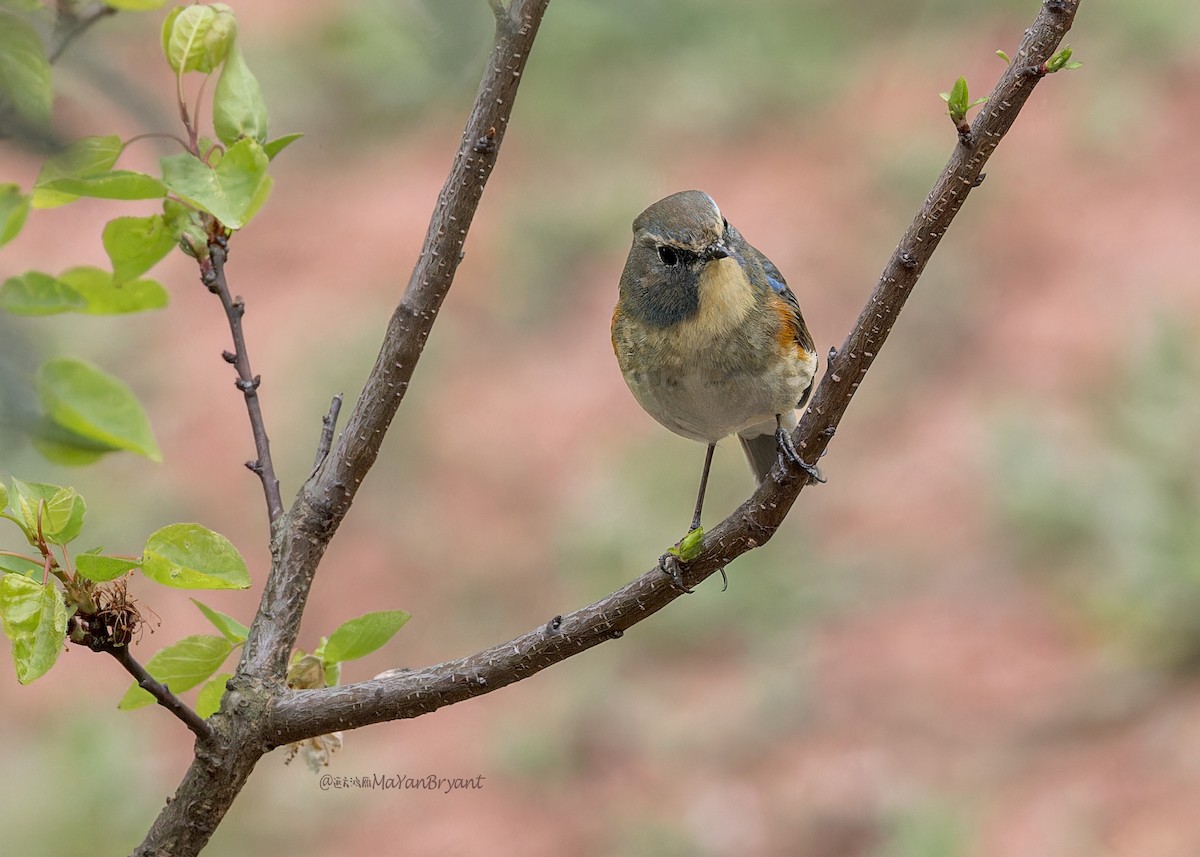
(979, 638)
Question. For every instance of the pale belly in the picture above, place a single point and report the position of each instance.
(707, 407)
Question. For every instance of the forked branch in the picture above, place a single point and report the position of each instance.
(411, 693)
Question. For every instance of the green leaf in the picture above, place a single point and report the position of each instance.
(197, 38)
(61, 510)
(238, 107)
(36, 293)
(136, 5)
(20, 565)
(84, 289)
(180, 667)
(363, 635)
(104, 296)
(1004, 57)
(14, 208)
(232, 191)
(3, 497)
(87, 156)
(136, 244)
(69, 453)
(208, 700)
(24, 69)
(114, 184)
(233, 630)
(274, 147)
(83, 399)
(189, 556)
(100, 568)
(35, 619)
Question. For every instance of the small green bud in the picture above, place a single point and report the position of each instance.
(689, 547)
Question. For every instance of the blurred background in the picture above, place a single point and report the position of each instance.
(981, 637)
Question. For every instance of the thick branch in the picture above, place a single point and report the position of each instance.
(408, 694)
(212, 274)
(161, 693)
(326, 497)
(300, 537)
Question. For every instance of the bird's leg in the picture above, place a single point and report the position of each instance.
(787, 449)
(672, 561)
(708, 456)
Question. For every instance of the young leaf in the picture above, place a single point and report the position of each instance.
(231, 191)
(94, 404)
(3, 497)
(208, 700)
(61, 511)
(238, 107)
(62, 446)
(103, 296)
(14, 208)
(136, 244)
(196, 38)
(363, 635)
(274, 147)
(24, 69)
(35, 293)
(180, 667)
(99, 569)
(35, 619)
(21, 566)
(114, 184)
(87, 156)
(189, 556)
(230, 628)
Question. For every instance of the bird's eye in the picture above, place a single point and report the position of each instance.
(668, 256)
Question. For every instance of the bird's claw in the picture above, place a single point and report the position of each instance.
(673, 568)
(787, 449)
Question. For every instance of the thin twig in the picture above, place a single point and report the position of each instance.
(212, 274)
(161, 693)
(70, 28)
(328, 424)
(305, 714)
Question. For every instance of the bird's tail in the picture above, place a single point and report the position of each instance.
(762, 452)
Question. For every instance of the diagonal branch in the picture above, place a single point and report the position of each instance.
(326, 497)
(212, 274)
(398, 695)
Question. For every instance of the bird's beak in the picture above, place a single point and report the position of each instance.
(716, 250)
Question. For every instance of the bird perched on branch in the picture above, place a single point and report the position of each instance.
(709, 337)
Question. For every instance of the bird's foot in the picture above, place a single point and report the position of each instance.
(787, 450)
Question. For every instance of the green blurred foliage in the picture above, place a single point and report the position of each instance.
(1115, 517)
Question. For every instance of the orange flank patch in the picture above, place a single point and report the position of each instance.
(788, 336)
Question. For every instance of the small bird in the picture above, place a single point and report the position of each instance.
(709, 337)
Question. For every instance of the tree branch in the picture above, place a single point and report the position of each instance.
(212, 274)
(161, 693)
(304, 714)
(299, 538)
(326, 497)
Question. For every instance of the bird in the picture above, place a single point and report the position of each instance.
(710, 339)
